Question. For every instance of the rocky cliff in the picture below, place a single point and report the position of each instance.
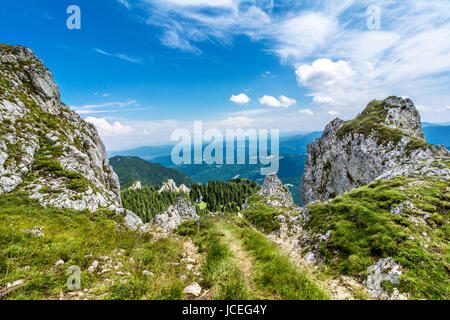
(385, 140)
(46, 149)
(277, 194)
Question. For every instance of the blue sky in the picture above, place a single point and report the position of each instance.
(139, 69)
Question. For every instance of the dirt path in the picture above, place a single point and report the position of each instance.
(244, 261)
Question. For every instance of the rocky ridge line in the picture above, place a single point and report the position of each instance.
(385, 140)
(46, 149)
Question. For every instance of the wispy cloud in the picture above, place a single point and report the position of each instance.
(125, 3)
(108, 107)
(119, 56)
(327, 40)
(108, 104)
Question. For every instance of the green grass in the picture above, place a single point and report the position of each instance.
(274, 271)
(262, 216)
(371, 122)
(220, 270)
(363, 231)
(46, 163)
(79, 238)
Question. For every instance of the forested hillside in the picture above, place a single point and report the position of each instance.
(212, 197)
(131, 169)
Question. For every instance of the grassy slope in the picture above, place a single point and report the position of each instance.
(79, 238)
(274, 271)
(272, 275)
(363, 231)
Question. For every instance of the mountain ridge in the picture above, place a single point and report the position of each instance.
(46, 150)
(354, 153)
(132, 169)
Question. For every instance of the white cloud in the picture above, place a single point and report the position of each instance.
(342, 60)
(172, 39)
(287, 102)
(238, 122)
(301, 35)
(240, 99)
(107, 104)
(323, 100)
(324, 73)
(125, 3)
(106, 107)
(430, 109)
(120, 56)
(333, 113)
(306, 112)
(270, 101)
(282, 102)
(251, 112)
(110, 130)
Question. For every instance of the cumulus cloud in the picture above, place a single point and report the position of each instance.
(306, 112)
(287, 102)
(240, 99)
(327, 44)
(282, 102)
(270, 101)
(324, 72)
(110, 130)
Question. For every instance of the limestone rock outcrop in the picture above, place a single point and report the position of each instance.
(277, 194)
(385, 140)
(171, 186)
(182, 210)
(46, 149)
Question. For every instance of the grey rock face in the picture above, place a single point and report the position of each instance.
(336, 165)
(400, 209)
(33, 118)
(278, 195)
(403, 115)
(384, 270)
(182, 210)
(171, 186)
(132, 221)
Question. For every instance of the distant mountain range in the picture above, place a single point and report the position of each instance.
(131, 169)
(293, 151)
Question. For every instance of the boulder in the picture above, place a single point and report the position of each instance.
(277, 194)
(182, 210)
(384, 270)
